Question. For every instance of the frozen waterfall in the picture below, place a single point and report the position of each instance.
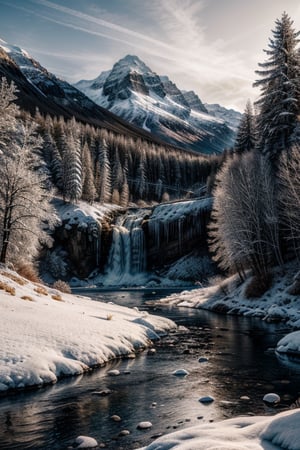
(127, 257)
(148, 239)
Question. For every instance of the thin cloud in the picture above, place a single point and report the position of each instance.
(182, 51)
(151, 50)
(101, 22)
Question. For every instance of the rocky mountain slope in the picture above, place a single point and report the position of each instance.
(230, 116)
(40, 89)
(134, 92)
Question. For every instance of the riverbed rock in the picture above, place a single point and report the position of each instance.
(113, 373)
(206, 399)
(202, 359)
(144, 425)
(85, 442)
(102, 393)
(151, 351)
(124, 433)
(271, 399)
(180, 373)
(116, 418)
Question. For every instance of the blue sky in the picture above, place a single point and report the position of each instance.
(210, 46)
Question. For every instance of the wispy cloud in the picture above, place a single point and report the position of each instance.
(181, 51)
(100, 22)
(210, 66)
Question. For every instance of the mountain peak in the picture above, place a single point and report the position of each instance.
(139, 95)
(8, 48)
(130, 63)
(132, 59)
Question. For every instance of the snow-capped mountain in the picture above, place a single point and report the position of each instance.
(134, 92)
(230, 116)
(38, 88)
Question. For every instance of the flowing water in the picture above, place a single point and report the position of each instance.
(240, 364)
(127, 256)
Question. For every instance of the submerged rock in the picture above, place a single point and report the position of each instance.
(271, 399)
(102, 393)
(202, 359)
(206, 399)
(180, 373)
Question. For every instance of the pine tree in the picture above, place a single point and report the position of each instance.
(104, 183)
(141, 176)
(124, 196)
(280, 89)
(88, 186)
(117, 177)
(71, 164)
(246, 134)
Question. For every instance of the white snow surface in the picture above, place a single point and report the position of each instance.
(43, 339)
(280, 432)
(167, 212)
(290, 343)
(227, 296)
(82, 213)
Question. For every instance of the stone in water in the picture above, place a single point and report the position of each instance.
(180, 373)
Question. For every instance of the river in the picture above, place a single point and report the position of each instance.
(240, 369)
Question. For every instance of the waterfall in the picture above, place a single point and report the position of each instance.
(127, 257)
(173, 230)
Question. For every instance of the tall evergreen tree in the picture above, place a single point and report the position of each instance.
(246, 134)
(280, 89)
(104, 176)
(72, 164)
(88, 186)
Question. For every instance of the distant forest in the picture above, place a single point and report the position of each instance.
(94, 164)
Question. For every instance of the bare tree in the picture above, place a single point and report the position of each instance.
(24, 203)
(289, 183)
(244, 227)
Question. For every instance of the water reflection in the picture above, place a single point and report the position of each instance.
(238, 365)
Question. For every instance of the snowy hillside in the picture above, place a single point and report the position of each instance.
(39, 88)
(134, 92)
(46, 334)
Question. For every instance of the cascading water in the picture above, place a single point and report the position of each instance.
(127, 257)
(173, 230)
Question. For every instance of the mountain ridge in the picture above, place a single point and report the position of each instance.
(139, 95)
(39, 88)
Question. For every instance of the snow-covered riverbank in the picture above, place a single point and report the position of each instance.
(275, 305)
(243, 433)
(46, 334)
